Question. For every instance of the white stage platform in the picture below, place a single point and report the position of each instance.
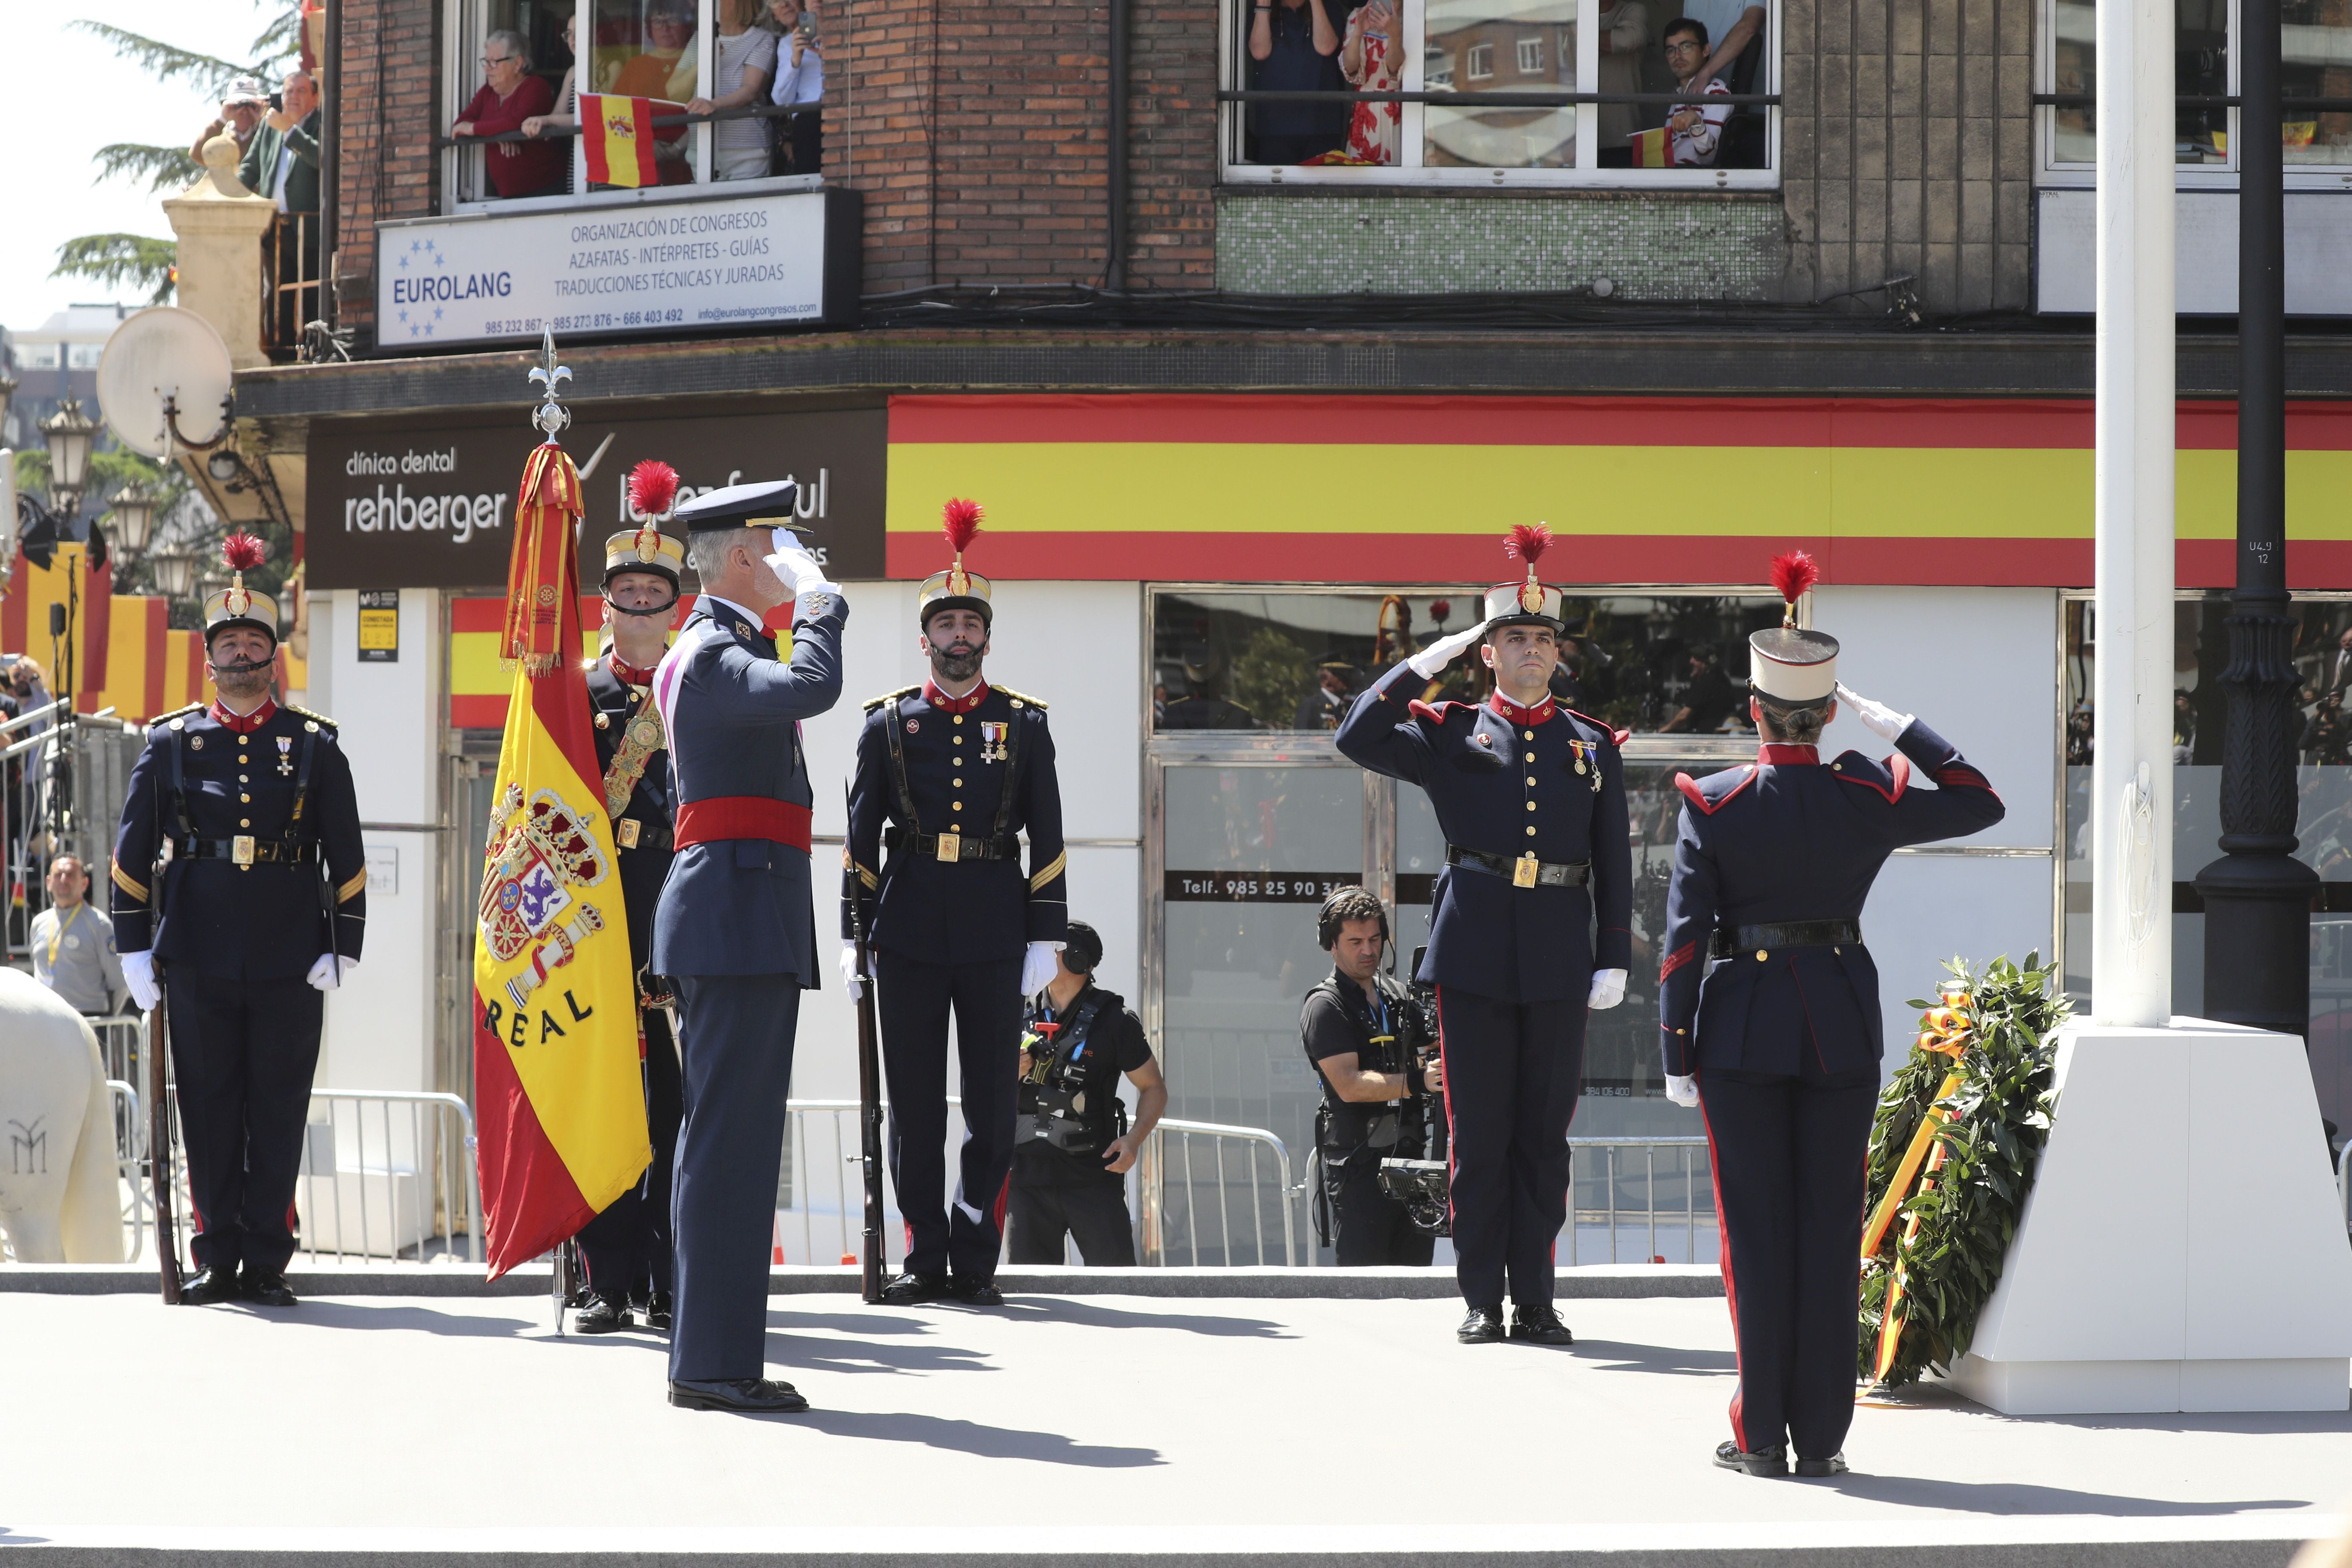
(419, 1431)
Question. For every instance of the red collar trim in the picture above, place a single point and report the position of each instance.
(1773, 753)
(628, 674)
(1512, 712)
(947, 704)
(248, 723)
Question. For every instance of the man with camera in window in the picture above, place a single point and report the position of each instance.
(1364, 1033)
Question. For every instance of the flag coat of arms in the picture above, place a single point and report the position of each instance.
(556, 1038)
(618, 135)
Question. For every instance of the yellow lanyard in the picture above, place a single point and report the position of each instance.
(59, 936)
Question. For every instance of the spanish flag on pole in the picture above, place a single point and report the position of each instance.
(617, 134)
(1652, 149)
(556, 1079)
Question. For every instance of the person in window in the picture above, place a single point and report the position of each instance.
(666, 73)
(1693, 131)
(1624, 35)
(2327, 739)
(1707, 701)
(1294, 48)
(567, 94)
(1327, 702)
(1201, 707)
(1367, 60)
(508, 96)
(743, 61)
(800, 79)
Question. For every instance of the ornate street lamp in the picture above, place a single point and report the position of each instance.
(175, 571)
(133, 510)
(68, 433)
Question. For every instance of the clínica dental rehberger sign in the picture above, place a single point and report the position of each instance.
(418, 506)
(653, 266)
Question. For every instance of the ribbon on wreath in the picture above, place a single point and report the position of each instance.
(1948, 1033)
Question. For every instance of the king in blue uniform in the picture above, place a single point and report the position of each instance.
(950, 775)
(258, 909)
(735, 929)
(1769, 1004)
(626, 1250)
(1530, 928)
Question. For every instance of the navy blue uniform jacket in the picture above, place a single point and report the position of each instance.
(732, 710)
(256, 922)
(1508, 788)
(1788, 838)
(646, 866)
(967, 912)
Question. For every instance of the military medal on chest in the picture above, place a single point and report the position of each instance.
(992, 742)
(285, 756)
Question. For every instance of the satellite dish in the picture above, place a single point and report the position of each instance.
(162, 353)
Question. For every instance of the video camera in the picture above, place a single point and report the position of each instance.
(1423, 1186)
(1059, 1077)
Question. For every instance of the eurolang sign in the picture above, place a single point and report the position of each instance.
(432, 506)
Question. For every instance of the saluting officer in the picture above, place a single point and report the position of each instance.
(627, 1249)
(1531, 798)
(957, 768)
(1768, 1004)
(259, 909)
(735, 928)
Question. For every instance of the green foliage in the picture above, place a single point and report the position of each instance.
(159, 168)
(1270, 676)
(32, 472)
(168, 62)
(2001, 1118)
(117, 258)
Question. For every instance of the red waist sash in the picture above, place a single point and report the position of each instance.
(743, 816)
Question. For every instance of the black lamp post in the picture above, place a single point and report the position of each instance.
(2258, 896)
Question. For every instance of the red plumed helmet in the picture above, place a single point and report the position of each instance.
(1793, 576)
(960, 520)
(652, 487)
(243, 552)
(1528, 542)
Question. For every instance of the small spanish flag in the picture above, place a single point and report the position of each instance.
(617, 134)
(1652, 149)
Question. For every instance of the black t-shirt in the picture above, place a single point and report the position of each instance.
(1114, 1043)
(1333, 1028)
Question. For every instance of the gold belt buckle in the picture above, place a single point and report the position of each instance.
(1524, 869)
(240, 849)
(950, 847)
(626, 831)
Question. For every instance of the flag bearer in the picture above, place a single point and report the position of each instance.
(735, 927)
(1528, 931)
(1768, 1004)
(257, 913)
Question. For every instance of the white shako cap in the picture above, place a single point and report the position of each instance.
(1788, 665)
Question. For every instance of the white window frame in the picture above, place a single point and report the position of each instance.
(1233, 20)
(2051, 175)
(465, 25)
(1532, 44)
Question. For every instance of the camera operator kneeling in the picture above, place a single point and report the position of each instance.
(1072, 1146)
(1365, 1034)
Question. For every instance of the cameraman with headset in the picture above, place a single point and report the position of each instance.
(1365, 1034)
(1072, 1146)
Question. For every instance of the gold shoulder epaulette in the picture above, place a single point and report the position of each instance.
(176, 712)
(306, 713)
(1021, 698)
(874, 702)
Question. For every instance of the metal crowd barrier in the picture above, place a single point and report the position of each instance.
(1612, 1213)
(1158, 1169)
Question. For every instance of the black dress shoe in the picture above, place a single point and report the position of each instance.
(744, 1396)
(914, 1289)
(266, 1287)
(656, 1311)
(979, 1293)
(211, 1287)
(1541, 1326)
(1833, 1466)
(1772, 1461)
(600, 1317)
(1481, 1326)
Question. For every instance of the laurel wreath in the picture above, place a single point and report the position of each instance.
(1967, 1212)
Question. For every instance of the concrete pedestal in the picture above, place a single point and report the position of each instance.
(2182, 1249)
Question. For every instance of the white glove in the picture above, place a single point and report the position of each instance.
(139, 973)
(1444, 651)
(1681, 1091)
(322, 973)
(796, 566)
(1038, 966)
(1608, 989)
(1876, 717)
(850, 979)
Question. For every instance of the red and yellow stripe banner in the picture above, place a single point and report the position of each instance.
(1247, 488)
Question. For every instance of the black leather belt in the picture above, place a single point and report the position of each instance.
(956, 846)
(247, 851)
(1729, 939)
(1546, 874)
(636, 833)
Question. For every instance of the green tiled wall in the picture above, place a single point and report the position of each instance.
(1684, 246)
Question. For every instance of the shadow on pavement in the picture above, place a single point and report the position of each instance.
(855, 1354)
(2011, 1498)
(1616, 1355)
(350, 1314)
(972, 1438)
(1070, 1310)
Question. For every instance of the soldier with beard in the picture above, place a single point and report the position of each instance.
(949, 775)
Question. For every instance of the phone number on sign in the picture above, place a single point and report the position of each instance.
(1255, 887)
(594, 320)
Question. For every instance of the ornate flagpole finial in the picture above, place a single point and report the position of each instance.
(552, 416)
